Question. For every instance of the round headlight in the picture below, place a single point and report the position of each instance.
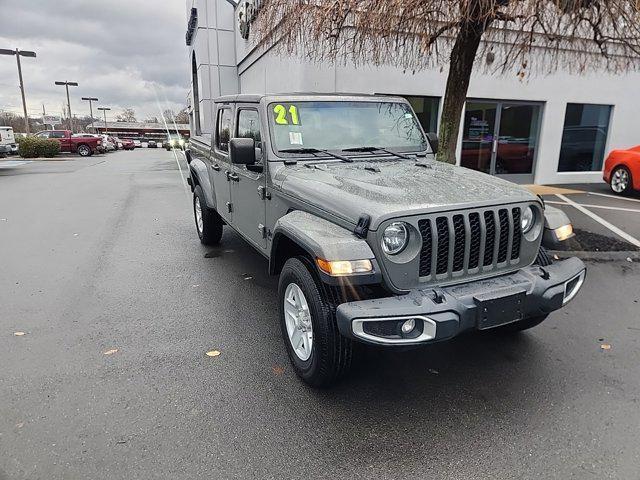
(528, 219)
(395, 238)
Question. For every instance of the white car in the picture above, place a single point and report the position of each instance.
(108, 144)
(137, 143)
(8, 143)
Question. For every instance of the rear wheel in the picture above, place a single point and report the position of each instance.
(621, 181)
(319, 354)
(84, 150)
(208, 222)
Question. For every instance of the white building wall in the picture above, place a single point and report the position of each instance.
(259, 72)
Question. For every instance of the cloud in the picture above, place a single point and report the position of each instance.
(127, 53)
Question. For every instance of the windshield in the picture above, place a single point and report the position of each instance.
(339, 125)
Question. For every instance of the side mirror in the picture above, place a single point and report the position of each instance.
(242, 151)
(433, 141)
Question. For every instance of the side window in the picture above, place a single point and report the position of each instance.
(57, 135)
(223, 129)
(249, 125)
(43, 135)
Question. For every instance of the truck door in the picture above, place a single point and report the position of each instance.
(60, 136)
(248, 183)
(220, 168)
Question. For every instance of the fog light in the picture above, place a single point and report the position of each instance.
(408, 326)
(563, 233)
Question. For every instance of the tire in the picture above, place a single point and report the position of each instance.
(621, 182)
(209, 225)
(84, 150)
(330, 354)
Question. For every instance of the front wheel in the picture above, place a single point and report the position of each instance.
(208, 222)
(84, 150)
(320, 355)
(621, 181)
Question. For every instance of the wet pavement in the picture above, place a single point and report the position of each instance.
(101, 270)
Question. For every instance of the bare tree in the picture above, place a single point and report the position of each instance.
(182, 116)
(512, 35)
(127, 115)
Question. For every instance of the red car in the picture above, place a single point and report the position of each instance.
(622, 170)
(128, 144)
(83, 146)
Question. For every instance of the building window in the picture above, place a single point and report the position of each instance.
(584, 138)
(427, 110)
(223, 130)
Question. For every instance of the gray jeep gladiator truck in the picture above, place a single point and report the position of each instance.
(373, 240)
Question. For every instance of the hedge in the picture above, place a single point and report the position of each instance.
(34, 147)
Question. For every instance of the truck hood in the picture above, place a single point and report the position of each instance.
(386, 190)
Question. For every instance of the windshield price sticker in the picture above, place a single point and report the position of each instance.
(286, 115)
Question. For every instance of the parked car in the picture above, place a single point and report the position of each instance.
(373, 240)
(622, 170)
(128, 144)
(152, 144)
(137, 143)
(101, 147)
(8, 143)
(118, 143)
(173, 140)
(109, 146)
(83, 146)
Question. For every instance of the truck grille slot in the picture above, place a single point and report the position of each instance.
(427, 248)
(469, 242)
(442, 225)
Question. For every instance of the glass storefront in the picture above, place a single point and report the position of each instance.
(501, 138)
(584, 137)
(428, 111)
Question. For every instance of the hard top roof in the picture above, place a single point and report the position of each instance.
(302, 96)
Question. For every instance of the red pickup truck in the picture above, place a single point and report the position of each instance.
(83, 146)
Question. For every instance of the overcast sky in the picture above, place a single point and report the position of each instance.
(127, 53)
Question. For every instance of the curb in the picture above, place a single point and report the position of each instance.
(599, 256)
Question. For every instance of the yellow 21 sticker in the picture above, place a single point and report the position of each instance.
(281, 114)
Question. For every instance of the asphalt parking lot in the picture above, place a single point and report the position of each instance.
(102, 271)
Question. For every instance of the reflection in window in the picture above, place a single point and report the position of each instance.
(584, 138)
(249, 125)
(224, 129)
(427, 109)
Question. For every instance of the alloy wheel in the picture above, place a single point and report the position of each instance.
(298, 321)
(620, 180)
(198, 211)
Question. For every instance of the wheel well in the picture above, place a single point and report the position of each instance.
(283, 249)
(194, 180)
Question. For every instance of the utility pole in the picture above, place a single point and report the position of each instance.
(67, 85)
(21, 53)
(90, 100)
(104, 110)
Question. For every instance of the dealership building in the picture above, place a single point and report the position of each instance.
(547, 129)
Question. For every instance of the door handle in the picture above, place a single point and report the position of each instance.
(216, 167)
(232, 176)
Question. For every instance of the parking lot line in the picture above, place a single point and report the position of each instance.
(604, 207)
(617, 197)
(601, 221)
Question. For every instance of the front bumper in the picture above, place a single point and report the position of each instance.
(441, 314)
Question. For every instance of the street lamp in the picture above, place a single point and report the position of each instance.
(90, 99)
(67, 85)
(104, 109)
(20, 53)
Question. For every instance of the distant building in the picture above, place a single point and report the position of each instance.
(142, 130)
(554, 128)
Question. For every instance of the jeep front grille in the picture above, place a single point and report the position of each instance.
(469, 242)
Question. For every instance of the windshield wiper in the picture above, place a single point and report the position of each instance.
(377, 149)
(317, 150)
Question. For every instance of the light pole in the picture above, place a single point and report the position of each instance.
(90, 99)
(67, 85)
(104, 109)
(20, 53)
